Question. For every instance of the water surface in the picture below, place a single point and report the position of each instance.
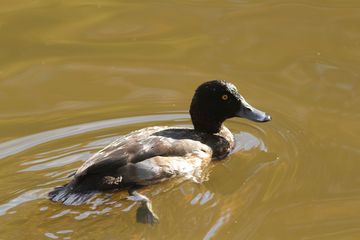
(76, 75)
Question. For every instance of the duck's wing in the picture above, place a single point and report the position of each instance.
(119, 152)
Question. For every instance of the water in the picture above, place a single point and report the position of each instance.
(76, 75)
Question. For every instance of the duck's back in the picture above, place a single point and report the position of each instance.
(148, 156)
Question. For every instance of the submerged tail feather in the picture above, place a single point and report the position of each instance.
(66, 195)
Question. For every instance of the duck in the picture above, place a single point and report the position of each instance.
(156, 154)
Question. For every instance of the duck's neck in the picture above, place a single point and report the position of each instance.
(204, 118)
(211, 127)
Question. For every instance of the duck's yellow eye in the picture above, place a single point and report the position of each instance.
(225, 97)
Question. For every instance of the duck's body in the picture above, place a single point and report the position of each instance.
(145, 157)
(155, 154)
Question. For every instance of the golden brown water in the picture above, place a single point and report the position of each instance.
(74, 75)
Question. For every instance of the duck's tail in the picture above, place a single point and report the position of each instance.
(68, 196)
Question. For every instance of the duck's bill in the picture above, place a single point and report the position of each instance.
(251, 113)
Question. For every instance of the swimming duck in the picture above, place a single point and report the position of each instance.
(155, 154)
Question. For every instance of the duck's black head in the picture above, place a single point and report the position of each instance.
(217, 100)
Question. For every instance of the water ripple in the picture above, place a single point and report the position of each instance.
(21, 144)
